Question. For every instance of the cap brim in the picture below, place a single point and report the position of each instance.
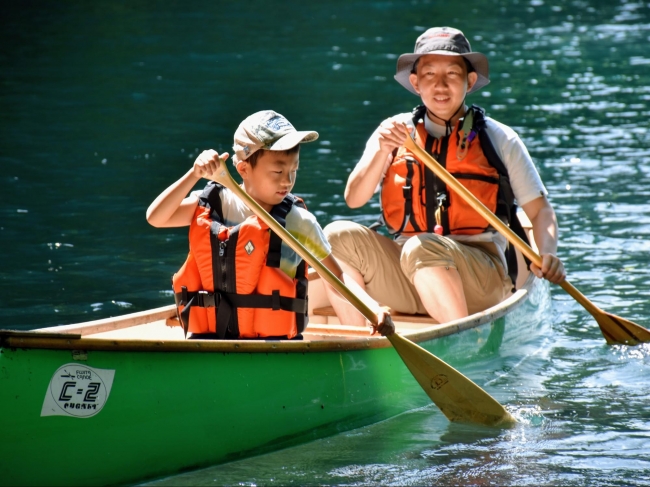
(292, 139)
(477, 59)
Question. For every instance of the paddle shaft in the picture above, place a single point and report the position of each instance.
(226, 180)
(493, 220)
(456, 395)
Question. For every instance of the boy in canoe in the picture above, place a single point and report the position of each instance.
(240, 280)
(444, 259)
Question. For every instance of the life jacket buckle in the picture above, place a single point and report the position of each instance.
(204, 299)
(275, 300)
(442, 199)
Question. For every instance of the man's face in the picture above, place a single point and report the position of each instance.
(442, 83)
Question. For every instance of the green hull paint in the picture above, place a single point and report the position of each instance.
(174, 411)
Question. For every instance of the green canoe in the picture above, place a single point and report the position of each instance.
(126, 399)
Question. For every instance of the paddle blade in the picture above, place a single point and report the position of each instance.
(618, 330)
(458, 397)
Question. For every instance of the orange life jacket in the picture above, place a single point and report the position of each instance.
(414, 200)
(231, 284)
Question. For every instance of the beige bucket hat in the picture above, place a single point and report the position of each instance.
(446, 41)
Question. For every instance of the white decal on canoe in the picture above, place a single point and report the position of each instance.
(77, 390)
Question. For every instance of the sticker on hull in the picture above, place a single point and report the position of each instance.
(77, 390)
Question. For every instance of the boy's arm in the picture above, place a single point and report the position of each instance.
(367, 174)
(386, 326)
(171, 208)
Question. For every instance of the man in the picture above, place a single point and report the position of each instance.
(444, 259)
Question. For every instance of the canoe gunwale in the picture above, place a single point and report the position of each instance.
(72, 337)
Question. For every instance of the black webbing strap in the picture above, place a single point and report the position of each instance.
(273, 301)
(302, 318)
(279, 212)
(226, 302)
(407, 194)
(506, 201)
(210, 198)
(226, 319)
(430, 185)
(445, 201)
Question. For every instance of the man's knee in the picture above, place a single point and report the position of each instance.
(425, 250)
(342, 234)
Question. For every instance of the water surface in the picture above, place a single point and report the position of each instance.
(103, 105)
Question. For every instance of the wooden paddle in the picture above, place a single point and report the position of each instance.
(458, 397)
(614, 328)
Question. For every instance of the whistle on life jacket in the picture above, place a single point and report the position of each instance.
(438, 229)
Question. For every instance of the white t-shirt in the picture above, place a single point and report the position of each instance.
(299, 222)
(524, 178)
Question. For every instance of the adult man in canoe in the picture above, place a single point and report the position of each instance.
(444, 259)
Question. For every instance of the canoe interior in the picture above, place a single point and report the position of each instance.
(159, 329)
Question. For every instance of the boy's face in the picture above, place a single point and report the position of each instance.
(442, 83)
(272, 177)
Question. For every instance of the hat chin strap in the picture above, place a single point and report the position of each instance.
(448, 128)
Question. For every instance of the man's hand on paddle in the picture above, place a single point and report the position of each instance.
(208, 163)
(386, 326)
(392, 135)
(552, 269)
(542, 216)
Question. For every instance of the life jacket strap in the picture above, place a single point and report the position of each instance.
(210, 198)
(203, 299)
(279, 212)
(302, 283)
(273, 301)
(506, 200)
(227, 302)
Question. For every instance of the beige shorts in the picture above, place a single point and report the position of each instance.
(388, 268)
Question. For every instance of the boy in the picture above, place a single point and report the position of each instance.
(229, 292)
(443, 260)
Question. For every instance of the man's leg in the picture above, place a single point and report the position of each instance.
(372, 262)
(453, 279)
(443, 288)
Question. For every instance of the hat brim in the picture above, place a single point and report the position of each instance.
(478, 61)
(292, 139)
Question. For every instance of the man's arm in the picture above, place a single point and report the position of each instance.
(542, 216)
(367, 174)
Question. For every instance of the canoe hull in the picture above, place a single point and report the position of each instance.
(176, 405)
(169, 412)
(172, 411)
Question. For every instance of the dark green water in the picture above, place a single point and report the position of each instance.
(103, 104)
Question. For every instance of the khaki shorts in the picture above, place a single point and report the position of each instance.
(388, 268)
